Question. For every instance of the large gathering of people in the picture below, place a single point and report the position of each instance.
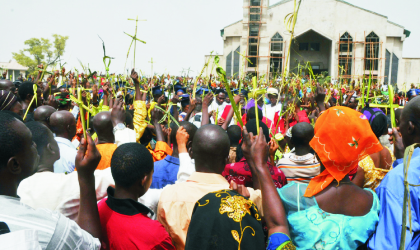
(90, 161)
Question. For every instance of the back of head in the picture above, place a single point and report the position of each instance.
(130, 163)
(235, 134)
(210, 148)
(209, 222)
(7, 100)
(377, 120)
(251, 126)
(63, 122)
(43, 113)
(411, 113)
(25, 89)
(40, 135)
(189, 127)
(102, 124)
(250, 114)
(302, 134)
(10, 140)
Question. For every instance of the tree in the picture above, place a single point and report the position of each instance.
(40, 52)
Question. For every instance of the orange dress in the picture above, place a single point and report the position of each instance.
(106, 150)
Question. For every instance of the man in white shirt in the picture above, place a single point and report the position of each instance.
(270, 110)
(63, 124)
(218, 105)
(18, 159)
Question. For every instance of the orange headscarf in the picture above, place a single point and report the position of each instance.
(342, 137)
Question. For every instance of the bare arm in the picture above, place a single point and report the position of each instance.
(206, 103)
(230, 114)
(87, 159)
(274, 213)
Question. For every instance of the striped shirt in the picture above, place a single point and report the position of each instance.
(299, 169)
(55, 231)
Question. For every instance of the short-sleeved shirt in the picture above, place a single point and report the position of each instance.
(66, 163)
(166, 171)
(125, 225)
(55, 231)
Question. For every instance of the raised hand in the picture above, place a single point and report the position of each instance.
(88, 157)
(182, 139)
(118, 112)
(208, 99)
(134, 76)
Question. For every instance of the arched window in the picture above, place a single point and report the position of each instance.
(276, 54)
(346, 43)
(372, 52)
(277, 43)
(346, 55)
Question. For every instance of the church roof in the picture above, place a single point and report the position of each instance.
(342, 1)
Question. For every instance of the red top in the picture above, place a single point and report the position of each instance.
(240, 173)
(303, 117)
(130, 228)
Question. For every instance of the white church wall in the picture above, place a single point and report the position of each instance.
(408, 73)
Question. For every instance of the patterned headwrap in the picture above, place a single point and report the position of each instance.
(7, 100)
(225, 220)
(342, 138)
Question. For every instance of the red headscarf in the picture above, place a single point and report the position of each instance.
(342, 137)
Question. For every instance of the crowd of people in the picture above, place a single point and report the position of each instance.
(90, 161)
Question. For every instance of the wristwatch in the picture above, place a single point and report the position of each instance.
(119, 126)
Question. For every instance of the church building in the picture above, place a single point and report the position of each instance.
(334, 36)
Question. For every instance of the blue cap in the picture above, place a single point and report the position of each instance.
(185, 100)
(157, 90)
(235, 91)
(200, 91)
(244, 92)
(219, 90)
(179, 88)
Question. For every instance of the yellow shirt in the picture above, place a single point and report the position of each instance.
(177, 202)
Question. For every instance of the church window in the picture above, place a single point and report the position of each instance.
(236, 61)
(303, 46)
(372, 52)
(315, 46)
(229, 65)
(276, 54)
(345, 43)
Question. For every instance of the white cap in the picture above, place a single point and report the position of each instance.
(272, 91)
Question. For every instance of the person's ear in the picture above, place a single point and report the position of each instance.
(190, 152)
(50, 149)
(410, 128)
(13, 166)
(189, 145)
(144, 180)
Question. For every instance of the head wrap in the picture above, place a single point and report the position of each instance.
(377, 120)
(7, 100)
(342, 138)
(225, 220)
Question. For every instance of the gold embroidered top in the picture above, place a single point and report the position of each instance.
(373, 175)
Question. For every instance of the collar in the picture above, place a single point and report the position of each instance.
(65, 141)
(207, 178)
(126, 206)
(301, 158)
(172, 159)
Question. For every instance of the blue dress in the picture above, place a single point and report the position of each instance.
(312, 228)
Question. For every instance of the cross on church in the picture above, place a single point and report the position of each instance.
(151, 62)
(134, 39)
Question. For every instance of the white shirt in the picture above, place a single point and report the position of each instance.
(269, 111)
(55, 231)
(68, 152)
(218, 108)
(36, 192)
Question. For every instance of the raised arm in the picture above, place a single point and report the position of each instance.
(206, 103)
(87, 159)
(274, 213)
(231, 112)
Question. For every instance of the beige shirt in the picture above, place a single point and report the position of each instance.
(177, 202)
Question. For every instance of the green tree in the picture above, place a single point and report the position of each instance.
(40, 51)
